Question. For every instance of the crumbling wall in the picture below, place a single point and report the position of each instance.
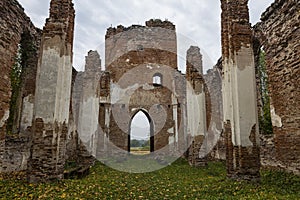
(133, 56)
(23, 119)
(196, 106)
(213, 81)
(239, 92)
(16, 154)
(16, 30)
(153, 44)
(279, 35)
(52, 95)
(88, 121)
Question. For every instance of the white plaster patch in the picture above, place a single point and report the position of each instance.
(120, 95)
(27, 112)
(53, 86)
(88, 119)
(149, 67)
(171, 139)
(104, 99)
(4, 118)
(196, 118)
(107, 116)
(127, 60)
(276, 120)
(171, 130)
(241, 105)
(133, 109)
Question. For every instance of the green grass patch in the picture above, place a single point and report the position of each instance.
(177, 181)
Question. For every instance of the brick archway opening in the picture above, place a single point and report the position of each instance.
(150, 134)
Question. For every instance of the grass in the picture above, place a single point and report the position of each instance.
(177, 181)
(140, 150)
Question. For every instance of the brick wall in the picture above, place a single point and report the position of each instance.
(239, 92)
(15, 27)
(279, 34)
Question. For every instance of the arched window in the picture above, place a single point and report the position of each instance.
(157, 79)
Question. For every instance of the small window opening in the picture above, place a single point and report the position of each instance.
(157, 79)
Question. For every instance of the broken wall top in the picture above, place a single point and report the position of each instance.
(151, 23)
(61, 20)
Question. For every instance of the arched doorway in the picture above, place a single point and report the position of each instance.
(141, 137)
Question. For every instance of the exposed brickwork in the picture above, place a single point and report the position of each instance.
(239, 114)
(47, 152)
(194, 152)
(235, 22)
(14, 26)
(16, 154)
(52, 97)
(145, 49)
(156, 101)
(133, 56)
(239, 159)
(279, 34)
(61, 20)
(151, 23)
(139, 44)
(158, 23)
(229, 148)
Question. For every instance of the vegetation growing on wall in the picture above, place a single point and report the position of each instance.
(265, 117)
(26, 51)
(15, 78)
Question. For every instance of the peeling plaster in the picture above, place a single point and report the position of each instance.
(27, 112)
(4, 118)
(276, 120)
(120, 95)
(171, 130)
(196, 119)
(53, 91)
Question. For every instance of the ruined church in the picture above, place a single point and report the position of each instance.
(57, 114)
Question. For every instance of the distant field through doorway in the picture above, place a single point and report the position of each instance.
(141, 128)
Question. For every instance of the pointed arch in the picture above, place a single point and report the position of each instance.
(151, 127)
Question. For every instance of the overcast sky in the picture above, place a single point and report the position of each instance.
(197, 22)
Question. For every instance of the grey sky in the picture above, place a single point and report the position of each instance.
(140, 127)
(197, 22)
